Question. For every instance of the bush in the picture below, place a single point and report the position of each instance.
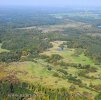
(54, 58)
(49, 68)
(63, 71)
(98, 97)
(56, 74)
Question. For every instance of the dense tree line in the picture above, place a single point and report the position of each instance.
(18, 41)
(10, 56)
(18, 18)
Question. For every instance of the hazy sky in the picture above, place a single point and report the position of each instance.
(57, 3)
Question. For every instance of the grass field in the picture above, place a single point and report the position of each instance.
(67, 54)
(2, 50)
(33, 73)
(37, 72)
(68, 57)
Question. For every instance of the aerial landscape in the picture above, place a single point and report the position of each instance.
(50, 53)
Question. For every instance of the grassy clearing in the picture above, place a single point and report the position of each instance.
(67, 54)
(83, 59)
(38, 72)
(69, 57)
(3, 50)
(35, 73)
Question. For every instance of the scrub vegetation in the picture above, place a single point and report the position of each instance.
(50, 55)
